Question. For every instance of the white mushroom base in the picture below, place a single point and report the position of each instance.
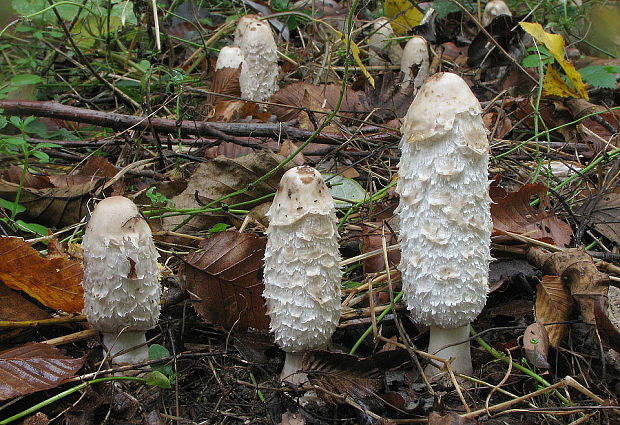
(440, 337)
(115, 343)
(293, 364)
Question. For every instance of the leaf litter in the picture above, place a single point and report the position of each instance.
(200, 161)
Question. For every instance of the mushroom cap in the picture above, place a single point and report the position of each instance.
(229, 57)
(442, 97)
(444, 208)
(302, 191)
(121, 288)
(259, 71)
(302, 273)
(242, 25)
(415, 53)
(493, 9)
(382, 40)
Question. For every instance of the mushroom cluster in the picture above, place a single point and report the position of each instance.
(121, 287)
(302, 273)
(444, 213)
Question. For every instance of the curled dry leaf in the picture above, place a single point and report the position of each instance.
(577, 269)
(553, 304)
(55, 282)
(513, 213)
(222, 176)
(34, 367)
(351, 376)
(603, 213)
(223, 279)
(608, 319)
(536, 345)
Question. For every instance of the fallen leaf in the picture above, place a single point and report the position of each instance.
(222, 176)
(55, 282)
(608, 319)
(223, 277)
(555, 44)
(348, 375)
(603, 214)
(404, 15)
(536, 345)
(34, 367)
(226, 82)
(288, 148)
(386, 100)
(514, 213)
(448, 419)
(15, 307)
(289, 418)
(577, 269)
(553, 304)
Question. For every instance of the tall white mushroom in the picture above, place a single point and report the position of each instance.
(121, 288)
(415, 62)
(381, 42)
(302, 274)
(493, 9)
(444, 212)
(259, 71)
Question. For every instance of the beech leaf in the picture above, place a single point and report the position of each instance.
(536, 345)
(223, 277)
(34, 367)
(55, 282)
(553, 304)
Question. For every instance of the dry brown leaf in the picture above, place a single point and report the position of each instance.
(15, 307)
(221, 176)
(604, 215)
(553, 304)
(608, 319)
(226, 82)
(235, 110)
(223, 276)
(322, 98)
(536, 345)
(34, 367)
(514, 213)
(288, 148)
(56, 282)
(578, 270)
(386, 100)
(448, 419)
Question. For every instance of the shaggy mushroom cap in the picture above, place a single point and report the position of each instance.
(445, 221)
(302, 273)
(415, 62)
(121, 287)
(259, 71)
(229, 57)
(381, 42)
(493, 9)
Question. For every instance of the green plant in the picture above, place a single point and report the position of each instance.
(18, 147)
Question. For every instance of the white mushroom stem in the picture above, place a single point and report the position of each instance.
(460, 353)
(293, 363)
(135, 342)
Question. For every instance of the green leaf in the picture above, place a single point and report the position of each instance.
(15, 141)
(33, 228)
(25, 79)
(158, 379)
(47, 145)
(42, 156)
(12, 206)
(35, 127)
(345, 188)
(3, 121)
(218, 227)
(601, 76)
(157, 351)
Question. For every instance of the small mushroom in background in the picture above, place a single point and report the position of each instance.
(226, 76)
(302, 273)
(121, 287)
(493, 9)
(259, 71)
(444, 213)
(382, 43)
(415, 62)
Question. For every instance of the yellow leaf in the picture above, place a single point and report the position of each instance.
(554, 85)
(555, 44)
(403, 14)
(355, 51)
